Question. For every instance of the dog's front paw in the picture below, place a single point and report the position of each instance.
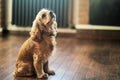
(44, 76)
(51, 72)
(14, 74)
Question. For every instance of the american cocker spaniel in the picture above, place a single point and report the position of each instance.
(34, 53)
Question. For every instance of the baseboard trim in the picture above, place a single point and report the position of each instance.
(96, 27)
(62, 32)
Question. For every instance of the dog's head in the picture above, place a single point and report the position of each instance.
(44, 24)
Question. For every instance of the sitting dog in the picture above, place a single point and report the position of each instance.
(34, 53)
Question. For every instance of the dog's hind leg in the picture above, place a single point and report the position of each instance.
(24, 69)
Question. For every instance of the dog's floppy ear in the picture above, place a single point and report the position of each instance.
(35, 33)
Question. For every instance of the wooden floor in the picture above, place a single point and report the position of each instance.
(74, 59)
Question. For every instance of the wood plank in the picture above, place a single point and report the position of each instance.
(84, 65)
(72, 69)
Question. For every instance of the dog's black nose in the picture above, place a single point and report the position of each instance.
(52, 14)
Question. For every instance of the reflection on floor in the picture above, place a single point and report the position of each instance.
(74, 59)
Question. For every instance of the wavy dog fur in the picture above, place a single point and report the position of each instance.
(34, 53)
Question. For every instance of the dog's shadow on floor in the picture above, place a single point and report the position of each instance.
(101, 56)
(105, 56)
(28, 78)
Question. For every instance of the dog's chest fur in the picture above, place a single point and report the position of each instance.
(45, 48)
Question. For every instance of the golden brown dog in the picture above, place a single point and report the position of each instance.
(34, 54)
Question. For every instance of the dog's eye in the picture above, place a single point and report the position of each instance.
(43, 16)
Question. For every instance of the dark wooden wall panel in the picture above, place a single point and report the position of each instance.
(105, 12)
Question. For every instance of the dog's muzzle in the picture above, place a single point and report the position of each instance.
(51, 21)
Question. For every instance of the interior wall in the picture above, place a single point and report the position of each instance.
(3, 13)
(0, 12)
(84, 11)
(81, 12)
